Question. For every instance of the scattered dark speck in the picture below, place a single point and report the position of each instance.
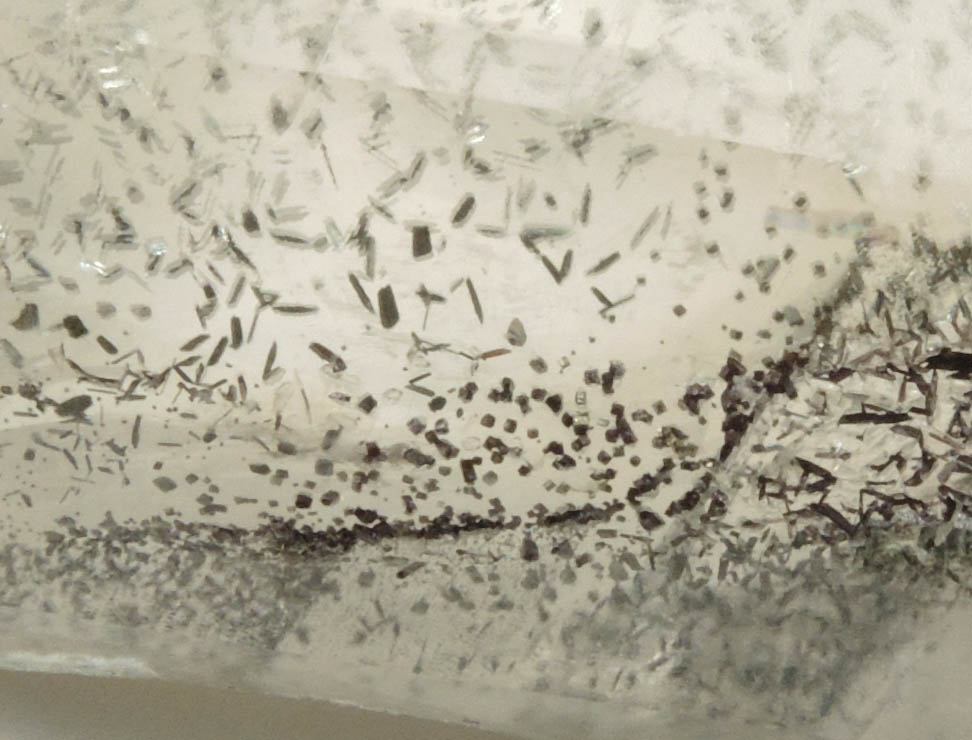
(164, 484)
(695, 394)
(516, 334)
(217, 75)
(250, 223)
(474, 297)
(217, 352)
(330, 497)
(387, 308)
(416, 425)
(279, 116)
(28, 319)
(336, 363)
(463, 210)
(360, 291)
(75, 327)
(593, 28)
(74, 406)
(649, 520)
(107, 346)
(421, 242)
(409, 569)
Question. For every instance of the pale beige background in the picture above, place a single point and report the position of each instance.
(39, 706)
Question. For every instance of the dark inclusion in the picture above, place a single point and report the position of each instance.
(107, 345)
(387, 307)
(75, 327)
(421, 242)
(218, 78)
(279, 116)
(250, 223)
(695, 394)
(463, 211)
(74, 407)
(165, 484)
(28, 318)
(367, 404)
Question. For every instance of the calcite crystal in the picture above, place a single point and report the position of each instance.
(545, 368)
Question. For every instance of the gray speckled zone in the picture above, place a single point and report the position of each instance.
(406, 396)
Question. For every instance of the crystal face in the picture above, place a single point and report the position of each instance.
(437, 380)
